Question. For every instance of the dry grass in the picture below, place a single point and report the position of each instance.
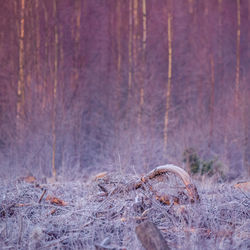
(103, 211)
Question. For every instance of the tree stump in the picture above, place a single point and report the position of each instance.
(150, 236)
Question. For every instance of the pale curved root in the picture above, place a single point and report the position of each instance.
(185, 177)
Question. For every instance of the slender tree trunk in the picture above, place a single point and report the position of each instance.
(191, 6)
(45, 98)
(211, 101)
(237, 78)
(38, 42)
(168, 92)
(20, 87)
(130, 42)
(76, 67)
(54, 93)
(143, 64)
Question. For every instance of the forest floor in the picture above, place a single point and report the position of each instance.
(103, 211)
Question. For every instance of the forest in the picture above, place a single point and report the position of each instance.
(102, 92)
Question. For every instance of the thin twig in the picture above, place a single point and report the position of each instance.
(44, 191)
(103, 189)
(244, 193)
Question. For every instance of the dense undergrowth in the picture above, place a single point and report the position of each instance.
(87, 213)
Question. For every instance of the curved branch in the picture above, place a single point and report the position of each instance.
(185, 177)
(172, 169)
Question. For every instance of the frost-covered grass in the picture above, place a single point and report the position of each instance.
(104, 212)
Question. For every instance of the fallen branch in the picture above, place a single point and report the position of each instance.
(169, 168)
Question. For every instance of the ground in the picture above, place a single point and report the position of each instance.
(105, 209)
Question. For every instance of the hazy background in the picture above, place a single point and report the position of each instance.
(110, 84)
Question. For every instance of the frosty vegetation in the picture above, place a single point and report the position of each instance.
(102, 212)
(123, 87)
